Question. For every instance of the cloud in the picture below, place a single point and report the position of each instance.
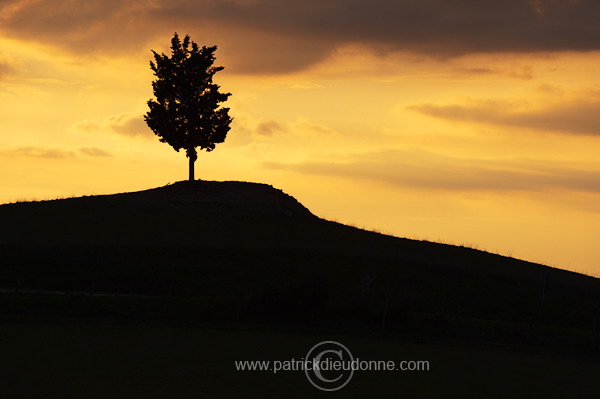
(269, 128)
(307, 126)
(248, 128)
(426, 170)
(7, 66)
(86, 126)
(522, 72)
(261, 36)
(94, 152)
(576, 116)
(84, 26)
(539, 6)
(52, 152)
(129, 124)
(38, 152)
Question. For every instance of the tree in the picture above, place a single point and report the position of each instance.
(186, 112)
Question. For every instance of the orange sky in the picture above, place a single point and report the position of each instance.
(426, 119)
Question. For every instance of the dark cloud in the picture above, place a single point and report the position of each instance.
(425, 170)
(579, 116)
(279, 36)
(80, 26)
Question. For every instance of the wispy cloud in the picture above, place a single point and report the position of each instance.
(7, 66)
(569, 116)
(269, 128)
(522, 72)
(38, 152)
(86, 126)
(128, 124)
(94, 152)
(427, 170)
(53, 152)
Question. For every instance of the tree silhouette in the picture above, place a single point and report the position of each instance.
(186, 112)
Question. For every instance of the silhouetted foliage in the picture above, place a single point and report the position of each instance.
(186, 113)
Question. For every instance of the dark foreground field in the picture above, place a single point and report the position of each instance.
(91, 359)
(157, 293)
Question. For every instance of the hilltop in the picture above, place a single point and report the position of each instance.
(249, 253)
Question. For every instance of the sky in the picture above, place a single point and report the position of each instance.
(467, 122)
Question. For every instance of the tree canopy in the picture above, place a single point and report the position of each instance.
(186, 113)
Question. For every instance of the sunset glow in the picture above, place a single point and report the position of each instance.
(471, 124)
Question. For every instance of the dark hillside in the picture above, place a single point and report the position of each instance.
(249, 253)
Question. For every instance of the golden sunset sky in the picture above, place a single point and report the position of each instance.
(467, 122)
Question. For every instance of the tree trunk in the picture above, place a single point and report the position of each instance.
(191, 168)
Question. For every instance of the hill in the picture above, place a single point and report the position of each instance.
(247, 253)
